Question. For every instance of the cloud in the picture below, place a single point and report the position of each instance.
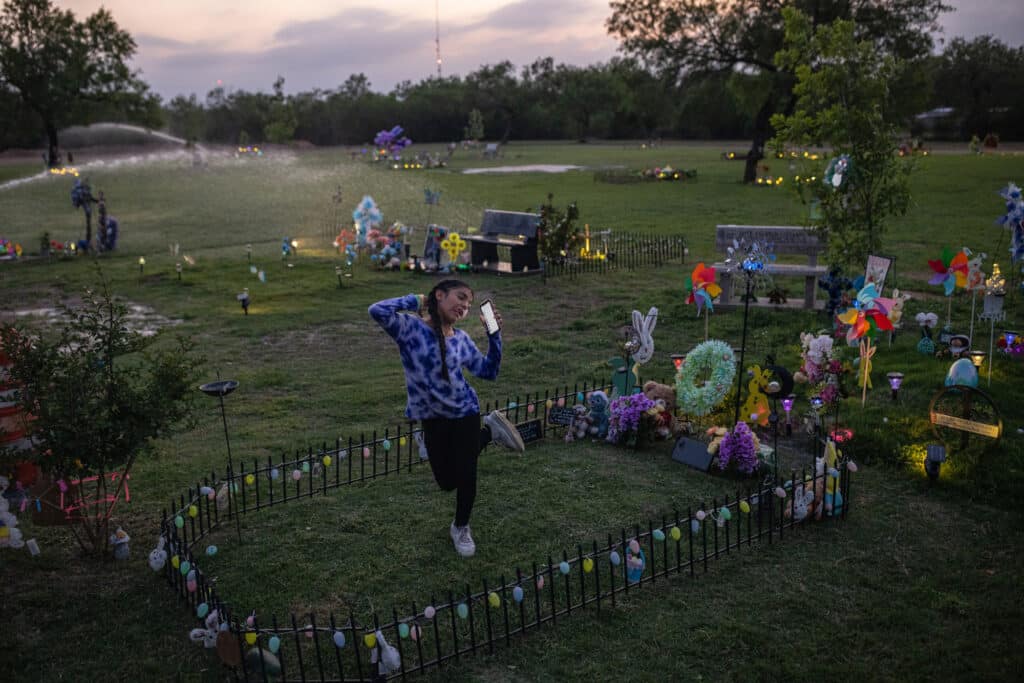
(1003, 19)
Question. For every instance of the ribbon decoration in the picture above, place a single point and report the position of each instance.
(454, 245)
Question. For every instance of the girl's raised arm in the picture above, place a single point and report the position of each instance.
(386, 313)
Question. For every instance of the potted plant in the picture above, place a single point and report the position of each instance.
(99, 393)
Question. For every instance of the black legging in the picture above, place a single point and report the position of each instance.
(453, 445)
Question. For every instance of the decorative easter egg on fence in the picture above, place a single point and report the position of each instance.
(305, 467)
(184, 567)
(548, 403)
(462, 610)
(339, 639)
(540, 582)
(370, 640)
(588, 565)
(193, 511)
(780, 492)
(658, 535)
(250, 620)
(700, 515)
(211, 550)
(614, 558)
(675, 533)
(694, 526)
(634, 546)
(250, 637)
(274, 644)
(327, 460)
(635, 567)
(179, 521)
(517, 594)
(429, 612)
(205, 490)
(579, 397)
(561, 402)
(386, 444)
(744, 507)
(175, 561)
(296, 475)
(529, 409)
(191, 586)
(275, 473)
(512, 405)
(250, 479)
(493, 599)
(563, 567)
(725, 513)
(403, 630)
(833, 472)
(851, 466)
(202, 609)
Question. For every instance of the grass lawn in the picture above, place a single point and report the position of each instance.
(919, 582)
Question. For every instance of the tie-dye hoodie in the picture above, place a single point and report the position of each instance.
(430, 394)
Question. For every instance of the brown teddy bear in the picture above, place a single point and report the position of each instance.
(665, 396)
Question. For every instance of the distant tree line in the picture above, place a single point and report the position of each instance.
(618, 99)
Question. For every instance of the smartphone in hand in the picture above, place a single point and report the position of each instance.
(487, 311)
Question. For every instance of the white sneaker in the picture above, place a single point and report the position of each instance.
(424, 455)
(503, 432)
(463, 540)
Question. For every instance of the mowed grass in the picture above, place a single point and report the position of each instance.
(911, 568)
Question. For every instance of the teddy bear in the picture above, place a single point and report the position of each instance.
(580, 424)
(599, 414)
(665, 396)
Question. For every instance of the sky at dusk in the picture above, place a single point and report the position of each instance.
(187, 46)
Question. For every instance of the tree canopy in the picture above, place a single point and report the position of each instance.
(678, 37)
(61, 67)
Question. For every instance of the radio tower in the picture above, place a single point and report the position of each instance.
(437, 35)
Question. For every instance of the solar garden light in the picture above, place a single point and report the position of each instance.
(248, 252)
(142, 265)
(177, 269)
(933, 461)
(337, 271)
(895, 380)
(244, 299)
(677, 360)
(1011, 339)
(220, 389)
(787, 405)
(977, 357)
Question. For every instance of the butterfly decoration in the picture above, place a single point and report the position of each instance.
(868, 314)
(431, 197)
(950, 270)
(702, 287)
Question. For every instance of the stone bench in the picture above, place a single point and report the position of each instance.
(787, 240)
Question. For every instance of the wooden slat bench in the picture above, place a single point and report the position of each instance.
(787, 240)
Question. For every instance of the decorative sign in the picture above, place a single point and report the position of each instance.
(959, 423)
(876, 271)
(558, 415)
(531, 431)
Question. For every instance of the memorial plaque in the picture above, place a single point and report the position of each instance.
(561, 415)
(693, 453)
(531, 431)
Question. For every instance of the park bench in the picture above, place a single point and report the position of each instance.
(787, 240)
(514, 230)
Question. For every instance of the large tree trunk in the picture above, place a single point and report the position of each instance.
(761, 126)
(53, 154)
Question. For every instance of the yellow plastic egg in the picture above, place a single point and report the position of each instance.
(675, 533)
(327, 461)
(250, 637)
(193, 511)
(175, 561)
(250, 479)
(370, 640)
(588, 565)
(493, 599)
(744, 507)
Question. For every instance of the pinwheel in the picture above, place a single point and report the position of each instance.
(702, 290)
(950, 270)
(867, 315)
(454, 245)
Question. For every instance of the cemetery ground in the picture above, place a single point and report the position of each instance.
(919, 582)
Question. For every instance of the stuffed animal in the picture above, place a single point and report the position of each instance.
(664, 395)
(803, 503)
(755, 409)
(975, 275)
(580, 424)
(599, 414)
(896, 311)
(716, 434)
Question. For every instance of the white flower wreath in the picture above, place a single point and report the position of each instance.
(714, 356)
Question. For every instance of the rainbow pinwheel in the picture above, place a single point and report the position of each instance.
(950, 270)
(702, 287)
(868, 314)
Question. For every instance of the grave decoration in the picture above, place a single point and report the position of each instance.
(839, 171)
(366, 217)
(927, 321)
(454, 245)
(705, 376)
(821, 367)
(387, 247)
(249, 150)
(702, 289)
(866, 317)
(755, 408)
(950, 271)
(390, 143)
(630, 420)
(9, 250)
(836, 285)
(1013, 220)
(738, 450)
(667, 173)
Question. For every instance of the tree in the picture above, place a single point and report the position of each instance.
(680, 36)
(281, 122)
(474, 129)
(979, 78)
(99, 394)
(843, 101)
(59, 66)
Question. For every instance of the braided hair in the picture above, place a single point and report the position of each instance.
(435, 317)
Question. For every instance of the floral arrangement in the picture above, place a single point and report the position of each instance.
(821, 367)
(629, 417)
(739, 449)
(714, 357)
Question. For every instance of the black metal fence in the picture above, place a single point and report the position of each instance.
(619, 251)
(470, 618)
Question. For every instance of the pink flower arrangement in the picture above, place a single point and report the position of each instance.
(740, 446)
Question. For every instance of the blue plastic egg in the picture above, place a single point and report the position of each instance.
(274, 644)
(694, 526)
(462, 610)
(211, 550)
(563, 567)
(517, 594)
(614, 558)
(339, 639)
